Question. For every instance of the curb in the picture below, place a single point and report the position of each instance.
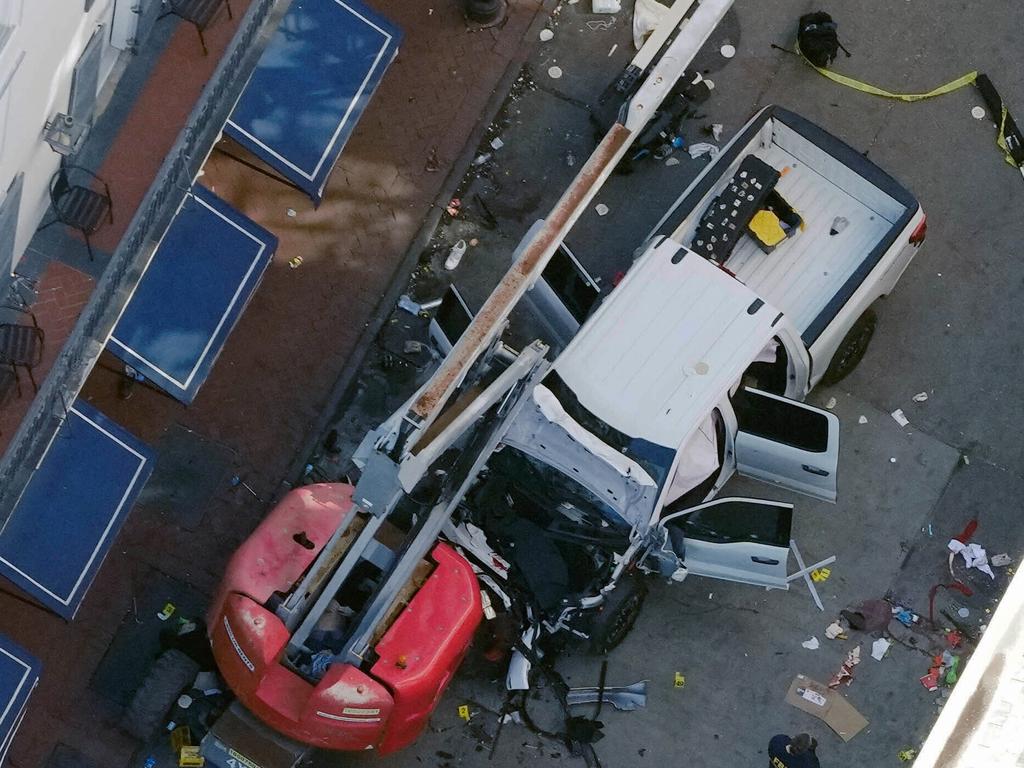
(423, 236)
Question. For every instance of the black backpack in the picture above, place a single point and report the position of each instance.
(816, 35)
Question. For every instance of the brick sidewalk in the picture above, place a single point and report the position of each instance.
(278, 368)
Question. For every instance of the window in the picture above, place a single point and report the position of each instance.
(737, 521)
(781, 421)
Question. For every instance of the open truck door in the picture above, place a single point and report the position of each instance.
(789, 444)
(735, 539)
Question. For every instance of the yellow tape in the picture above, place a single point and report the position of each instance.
(1001, 140)
(874, 90)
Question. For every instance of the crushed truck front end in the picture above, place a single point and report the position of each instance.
(278, 626)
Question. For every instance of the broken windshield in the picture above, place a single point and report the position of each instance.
(655, 459)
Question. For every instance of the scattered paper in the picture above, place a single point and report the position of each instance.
(601, 209)
(546, 34)
(672, 161)
(835, 631)
(716, 131)
(862, 419)
(497, 143)
(831, 403)
(810, 645)
(879, 648)
(1001, 559)
(900, 417)
(920, 397)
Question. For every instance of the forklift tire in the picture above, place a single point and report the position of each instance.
(616, 617)
(172, 673)
(851, 349)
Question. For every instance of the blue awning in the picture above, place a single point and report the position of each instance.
(310, 87)
(19, 673)
(198, 283)
(72, 508)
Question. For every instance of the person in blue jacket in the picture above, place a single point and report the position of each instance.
(795, 752)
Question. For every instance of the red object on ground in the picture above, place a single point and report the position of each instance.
(384, 707)
(964, 537)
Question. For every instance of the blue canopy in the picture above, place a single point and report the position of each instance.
(198, 283)
(310, 87)
(72, 508)
(19, 673)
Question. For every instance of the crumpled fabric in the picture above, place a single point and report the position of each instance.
(647, 15)
(974, 555)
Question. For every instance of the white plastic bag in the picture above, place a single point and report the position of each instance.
(647, 14)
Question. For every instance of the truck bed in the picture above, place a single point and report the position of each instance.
(811, 275)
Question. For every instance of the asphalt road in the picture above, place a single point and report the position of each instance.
(951, 329)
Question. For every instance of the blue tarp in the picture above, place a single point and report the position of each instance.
(310, 87)
(19, 673)
(202, 275)
(72, 508)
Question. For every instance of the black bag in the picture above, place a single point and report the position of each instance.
(817, 37)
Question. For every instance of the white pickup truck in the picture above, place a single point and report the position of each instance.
(690, 370)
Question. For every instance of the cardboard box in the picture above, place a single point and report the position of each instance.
(819, 700)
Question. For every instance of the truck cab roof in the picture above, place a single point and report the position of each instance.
(666, 345)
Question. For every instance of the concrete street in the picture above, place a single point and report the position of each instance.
(950, 329)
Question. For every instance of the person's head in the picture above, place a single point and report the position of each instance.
(801, 743)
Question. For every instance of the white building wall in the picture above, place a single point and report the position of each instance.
(39, 55)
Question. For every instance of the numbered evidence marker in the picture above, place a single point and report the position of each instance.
(166, 613)
(680, 680)
(464, 712)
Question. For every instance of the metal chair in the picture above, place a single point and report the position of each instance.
(22, 345)
(199, 13)
(77, 203)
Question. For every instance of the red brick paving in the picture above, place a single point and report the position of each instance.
(278, 367)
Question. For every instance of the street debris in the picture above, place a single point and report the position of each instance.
(879, 648)
(811, 645)
(647, 16)
(978, 113)
(905, 616)
(831, 403)
(452, 209)
(727, 50)
(601, 209)
(899, 417)
(868, 615)
(481, 159)
(626, 698)
(845, 673)
(672, 161)
(703, 149)
(606, 6)
(906, 755)
(546, 34)
(974, 555)
(291, 213)
(835, 631)
(497, 143)
(963, 613)
(554, 72)
(920, 397)
(433, 164)
(892, 459)
(827, 705)
(862, 419)
(455, 255)
(295, 262)
(716, 131)
(612, 50)
(1000, 560)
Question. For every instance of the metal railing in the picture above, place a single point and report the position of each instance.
(172, 182)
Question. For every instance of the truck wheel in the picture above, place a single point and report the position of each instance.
(851, 349)
(613, 620)
(170, 674)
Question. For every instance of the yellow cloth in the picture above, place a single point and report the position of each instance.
(766, 228)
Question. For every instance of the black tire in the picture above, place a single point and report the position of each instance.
(171, 673)
(851, 349)
(616, 617)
